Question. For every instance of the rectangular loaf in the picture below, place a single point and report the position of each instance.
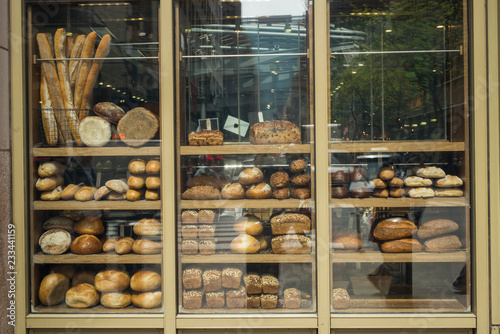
(274, 132)
(291, 244)
(205, 138)
(290, 223)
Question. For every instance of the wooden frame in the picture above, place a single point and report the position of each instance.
(486, 145)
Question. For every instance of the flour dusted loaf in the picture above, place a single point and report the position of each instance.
(111, 280)
(274, 132)
(250, 176)
(147, 227)
(86, 244)
(291, 244)
(94, 131)
(150, 299)
(55, 241)
(394, 228)
(116, 300)
(50, 168)
(432, 172)
(448, 192)
(138, 126)
(233, 191)
(290, 223)
(206, 138)
(449, 181)
(340, 299)
(109, 111)
(245, 244)
(82, 296)
(145, 280)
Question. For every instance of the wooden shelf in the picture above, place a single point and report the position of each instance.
(245, 148)
(41, 258)
(403, 202)
(63, 308)
(226, 310)
(97, 205)
(359, 305)
(377, 256)
(396, 146)
(248, 258)
(247, 203)
(95, 151)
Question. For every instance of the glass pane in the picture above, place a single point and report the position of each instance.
(400, 216)
(245, 213)
(95, 220)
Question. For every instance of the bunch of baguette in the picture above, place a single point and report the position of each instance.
(66, 85)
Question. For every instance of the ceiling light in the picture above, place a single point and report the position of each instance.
(434, 120)
(423, 123)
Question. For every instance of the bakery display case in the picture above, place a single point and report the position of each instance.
(95, 222)
(399, 158)
(245, 158)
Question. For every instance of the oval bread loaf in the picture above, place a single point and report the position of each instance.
(145, 246)
(394, 228)
(124, 245)
(440, 244)
(109, 111)
(153, 166)
(145, 280)
(152, 195)
(245, 244)
(249, 224)
(147, 300)
(52, 195)
(401, 246)
(55, 241)
(82, 296)
(85, 194)
(49, 182)
(116, 300)
(69, 191)
(89, 225)
(111, 280)
(436, 227)
(94, 131)
(137, 166)
(86, 244)
(147, 227)
(60, 223)
(50, 168)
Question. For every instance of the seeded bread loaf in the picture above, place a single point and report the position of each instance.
(274, 132)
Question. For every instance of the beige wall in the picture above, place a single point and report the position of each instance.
(5, 156)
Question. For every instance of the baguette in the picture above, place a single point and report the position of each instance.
(48, 117)
(70, 40)
(102, 52)
(76, 52)
(81, 78)
(50, 72)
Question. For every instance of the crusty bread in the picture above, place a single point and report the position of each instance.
(55, 241)
(436, 227)
(138, 126)
(50, 168)
(83, 73)
(245, 244)
(249, 224)
(401, 246)
(109, 111)
(274, 132)
(95, 131)
(394, 228)
(111, 280)
(147, 227)
(145, 280)
(52, 289)
(82, 296)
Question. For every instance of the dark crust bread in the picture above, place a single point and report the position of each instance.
(394, 228)
(206, 138)
(203, 180)
(274, 132)
(137, 127)
(109, 111)
(202, 193)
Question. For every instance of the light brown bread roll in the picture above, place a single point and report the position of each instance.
(436, 227)
(396, 192)
(59, 222)
(432, 172)
(279, 179)
(250, 176)
(153, 182)
(396, 183)
(111, 280)
(394, 228)
(89, 225)
(259, 191)
(147, 300)
(148, 227)
(87, 276)
(82, 296)
(110, 244)
(347, 239)
(86, 244)
(55, 241)
(386, 173)
(124, 245)
(136, 181)
(101, 193)
(401, 246)
(300, 179)
(249, 224)
(137, 166)
(233, 191)
(116, 300)
(381, 193)
(85, 194)
(152, 195)
(52, 195)
(50, 168)
(118, 186)
(262, 241)
(378, 184)
(69, 191)
(448, 192)
(145, 246)
(134, 195)
(245, 244)
(153, 166)
(449, 181)
(297, 165)
(301, 193)
(49, 182)
(145, 280)
(52, 289)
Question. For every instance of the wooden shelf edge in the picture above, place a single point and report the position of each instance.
(248, 258)
(98, 309)
(97, 205)
(402, 305)
(96, 151)
(398, 202)
(396, 146)
(245, 149)
(374, 256)
(97, 258)
(247, 203)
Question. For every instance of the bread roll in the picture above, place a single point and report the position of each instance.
(381, 193)
(436, 227)
(281, 193)
(50, 168)
(245, 244)
(347, 239)
(396, 183)
(69, 191)
(250, 176)
(396, 192)
(116, 300)
(111, 280)
(291, 244)
(448, 192)
(52, 289)
(153, 166)
(124, 246)
(233, 191)
(134, 195)
(440, 244)
(301, 193)
(279, 179)
(201, 193)
(147, 227)
(249, 224)
(118, 186)
(386, 173)
(137, 166)
(259, 191)
(300, 179)
(136, 181)
(89, 225)
(432, 172)
(297, 165)
(153, 182)
(145, 246)
(86, 244)
(94, 131)
(290, 223)
(422, 192)
(262, 241)
(85, 194)
(55, 241)
(49, 182)
(401, 246)
(110, 244)
(87, 276)
(145, 280)
(415, 181)
(82, 296)
(152, 195)
(101, 193)
(52, 195)
(114, 196)
(394, 228)
(59, 222)
(147, 300)
(138, 126)
(378, 184)
(449, 181)
(109, 111)
(358, 174)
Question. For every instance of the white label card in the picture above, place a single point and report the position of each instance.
(236, 126)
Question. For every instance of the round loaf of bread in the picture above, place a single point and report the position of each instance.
(281, 193)
(134, 195)
(386, 173)
(233, 191)
(89, 225)
(340, 192)
(358, 174)
(249, 224)
(87, 276)
(55, 241)
(69, 191)
(259, 191)
(137, 166)
(250, 176)
(346, 239)
(147, 227)
(85, 194)
(301, 192)
(340, 299)
(95, 131)
(110, 244)
(52, 289)
(382, 193)
(401, 246)
(262, 240)
(394, 228)
(86, 244)
(82, 296)
(396, 192)
(153, 166)
(124, 246)
(152, 195)
(298, 165)
(396, 183)
(378, 184)
(111, 280)
(116, 299)
(101, 193)
(153, 182)
(145, 280)
(145, 246)
(59, 222)
(137, 127)
(50, 168)
(245, 244)
(203, 180)
(136, 181)
(147, 300)
(49, 182)
(300, 179)
(279, 179)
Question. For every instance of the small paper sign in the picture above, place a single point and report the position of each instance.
(208, 124)
(236, 126)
